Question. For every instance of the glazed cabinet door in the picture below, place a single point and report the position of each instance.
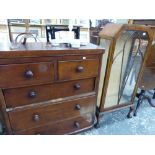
(123, 69)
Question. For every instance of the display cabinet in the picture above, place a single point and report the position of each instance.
(127, 47)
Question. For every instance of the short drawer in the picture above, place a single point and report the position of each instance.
(77, 69)
(49, 112)
(62, 127)
(26, 74)
(23, 96)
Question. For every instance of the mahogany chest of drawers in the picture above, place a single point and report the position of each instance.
(48, 90)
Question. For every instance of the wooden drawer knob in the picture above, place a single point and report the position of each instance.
(80, 69)
(36, 117)
(29, 74)
(77, 124)
(77, 86)
(77, 107)
(32, 94)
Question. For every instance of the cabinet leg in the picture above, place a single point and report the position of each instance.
(129, 115)
(140, 100)
(97, 125)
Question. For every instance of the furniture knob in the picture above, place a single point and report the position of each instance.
(32, 94)
(36, 117)
(77, 124)
(77, 107)
(79, 69)
(77, 86)
(29, 74)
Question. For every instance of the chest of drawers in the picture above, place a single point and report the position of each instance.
(49, 90)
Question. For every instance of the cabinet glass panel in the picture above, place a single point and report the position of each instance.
(128, 57)
(104, 43)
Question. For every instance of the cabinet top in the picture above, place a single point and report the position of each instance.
(44, 49)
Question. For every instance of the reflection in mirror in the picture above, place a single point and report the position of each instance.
(127, 59)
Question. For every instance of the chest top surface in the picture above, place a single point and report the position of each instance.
(43, 49)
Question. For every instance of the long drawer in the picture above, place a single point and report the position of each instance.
(77, 69)
(28, 95)
(62, 127)
(36, 116)
(26, 74)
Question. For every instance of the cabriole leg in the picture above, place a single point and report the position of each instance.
(129, 115)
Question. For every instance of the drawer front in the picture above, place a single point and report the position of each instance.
(77, 69)
(36, 116)
(28, 95)
(62, 127)
(26, 74)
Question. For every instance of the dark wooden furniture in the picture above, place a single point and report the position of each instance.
(94, 31)
(48, 90)
(147, 80)
(146, 84)
(51, 29)
(126, 50)
(142, 21)
(94, 36)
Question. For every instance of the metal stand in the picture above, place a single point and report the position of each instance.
(141, 97)
(51, 29)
